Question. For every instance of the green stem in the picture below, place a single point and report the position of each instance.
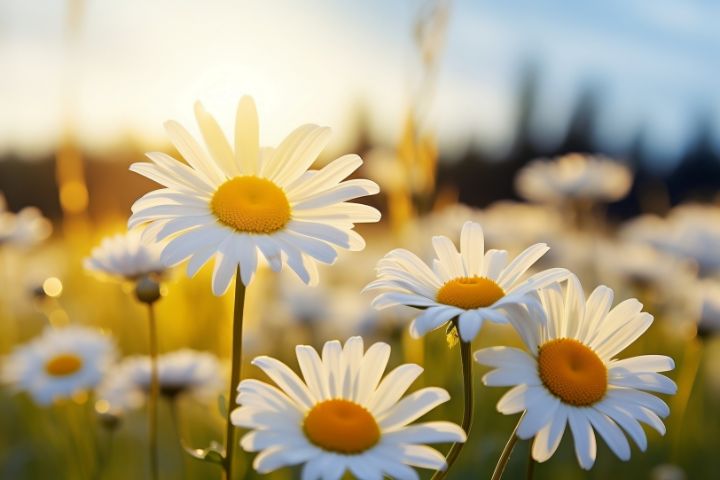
(505, 455)
(154, 395)
(531, 465)
(172, 402)
(104, 454)
(234, 373)
(686, 380)
(466, 358)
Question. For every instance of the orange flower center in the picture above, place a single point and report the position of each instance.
(251, 205)
(63, 365)
(470, 292)
(341, 426)
(572, 371)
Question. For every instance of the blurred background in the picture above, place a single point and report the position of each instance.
(445, 100)
(497, 83)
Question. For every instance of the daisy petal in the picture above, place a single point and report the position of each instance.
(413, 407)
(472, 246)
(430, 432)
(610, 432)
(432, 318)
(286, 379)
(469, 325)
(216, 142)
(392, 387)
(585, 444)
(247, 150)
(280, 456)
(548, 438)
(521, 264)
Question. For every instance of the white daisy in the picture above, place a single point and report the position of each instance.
(690, 231)
(643, 265)
(230, 203)
(574, 176)
(25, 229)
(530, 224)
(471, 285)
(342, 417)
(183, 372)
(125, 256)
(59, 363)
(571, 376)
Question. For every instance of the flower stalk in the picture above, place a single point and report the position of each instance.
(154, 394)
(531, 465)
(505, 455)
(147, 291)
(234, 374)
(454, 452)
(686, 379)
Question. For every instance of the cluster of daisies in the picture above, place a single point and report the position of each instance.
(243, 206)
(62, 363)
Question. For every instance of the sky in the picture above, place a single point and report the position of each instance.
(137, 63)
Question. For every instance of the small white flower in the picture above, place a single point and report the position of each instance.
(515, 224)
(59, 363)
(643, 266)
(342, 417)
(183, 372)
(570, 375)
(574, 176)
(233, 204)
(328, 310)
(471, 284)
(24, 229)
(690, 231)
(126, 257)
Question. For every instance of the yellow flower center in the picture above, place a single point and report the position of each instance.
(470, 292)
(572, 371)
(251, 205)
(341, 426)
(63, 364)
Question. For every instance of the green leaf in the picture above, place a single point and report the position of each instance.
(215, 453)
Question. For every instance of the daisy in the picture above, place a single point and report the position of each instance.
(125, 257)
(571, 375)
(25, 229)
(342, 417)
(690, 231)
(574, 177)
(530, 224)
(472, 285)
(59, 363)
(230, 203)
(183, 372)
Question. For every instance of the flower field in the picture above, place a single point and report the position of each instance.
(228, 303)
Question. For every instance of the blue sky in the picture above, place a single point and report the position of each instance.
(138, 63)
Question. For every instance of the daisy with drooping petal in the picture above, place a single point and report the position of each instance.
(231, 203)
(342, 417)
(59, 363)
(471, 285)
(125, 257)
(570, 375)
